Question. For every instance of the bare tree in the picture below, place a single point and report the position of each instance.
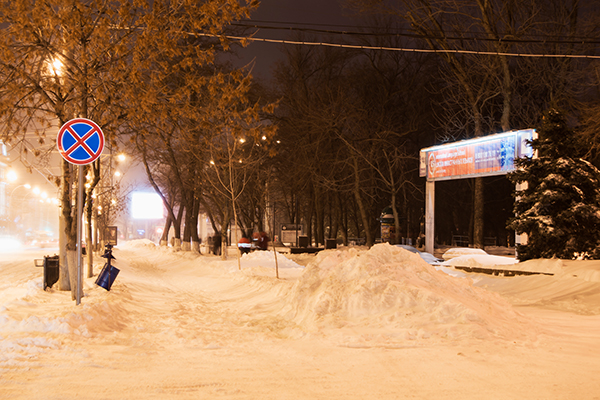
(484, 90)
(61, 59)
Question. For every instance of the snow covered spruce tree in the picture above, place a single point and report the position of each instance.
(559, 206)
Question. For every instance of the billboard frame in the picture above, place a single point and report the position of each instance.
(489, 155)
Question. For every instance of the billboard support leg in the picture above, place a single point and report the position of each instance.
(429, 216)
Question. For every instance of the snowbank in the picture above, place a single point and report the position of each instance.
(476, 260)
(588, 271)
(139, 243)
(267, 259)
(480, 261)
(353, 324)
(462, 251)
(390, 287)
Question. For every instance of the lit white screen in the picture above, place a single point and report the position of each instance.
(146, 206)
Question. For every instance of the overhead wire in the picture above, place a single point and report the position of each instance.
(472, 36)
(253, 38)
(387, 48)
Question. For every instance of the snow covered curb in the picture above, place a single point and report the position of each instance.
(477, 260)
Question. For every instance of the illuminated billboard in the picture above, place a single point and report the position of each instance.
(482, 156)
(146, 206)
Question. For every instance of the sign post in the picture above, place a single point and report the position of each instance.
(80, 142)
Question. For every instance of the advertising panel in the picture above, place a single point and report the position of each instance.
(483, 156)
(147, 205)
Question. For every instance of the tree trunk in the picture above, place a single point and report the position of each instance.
(89, 212)
(343, 218)
(67, 220)
(334, 217)
(397, 230)
(195, 243)
(224, 227)
(72, 266)
(177, 227)
(89, 246)
(187, 232)
(361, 206)
(164, 239)
(478, 206)
(64, 282)
(319, 217)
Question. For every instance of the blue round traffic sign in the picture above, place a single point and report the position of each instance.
(80, 141)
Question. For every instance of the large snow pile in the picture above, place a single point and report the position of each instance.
(33, 321)
(392, 288)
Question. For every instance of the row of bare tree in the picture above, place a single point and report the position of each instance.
(352, 121)
(333, 139)
(139, 69)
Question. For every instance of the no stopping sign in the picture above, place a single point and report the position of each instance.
(80, 141)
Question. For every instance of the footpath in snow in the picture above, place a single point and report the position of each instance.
(343, 324)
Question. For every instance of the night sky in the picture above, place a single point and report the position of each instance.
(321, 14)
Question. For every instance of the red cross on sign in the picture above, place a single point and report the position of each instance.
(80, 141)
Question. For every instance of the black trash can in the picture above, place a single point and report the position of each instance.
(51, 271)
(107, 276)
(302, 241)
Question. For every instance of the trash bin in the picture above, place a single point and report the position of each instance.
(107, 276)
(387, 225)
(302, 241)
(330, 243)
(109, 272)
(51, 271)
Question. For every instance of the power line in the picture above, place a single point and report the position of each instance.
(388, 48)
(475, 36)
(402, 49)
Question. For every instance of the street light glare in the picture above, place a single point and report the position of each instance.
(12, 175)
(57, 67)
(121, 157)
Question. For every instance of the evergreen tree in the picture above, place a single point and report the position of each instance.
(559, 208)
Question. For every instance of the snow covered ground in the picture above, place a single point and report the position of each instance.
(343, 324)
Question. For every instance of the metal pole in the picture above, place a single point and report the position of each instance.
(429, 216)
(79, 217)
(274, 249)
